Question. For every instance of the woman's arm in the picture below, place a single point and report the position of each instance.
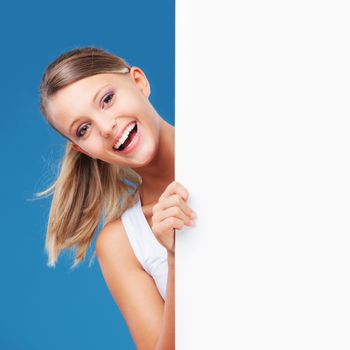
(167, 337)
(131, 287)
(150, 319)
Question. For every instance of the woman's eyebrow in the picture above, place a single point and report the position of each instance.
(93, 102)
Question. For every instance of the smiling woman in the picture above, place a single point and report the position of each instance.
(118, 165)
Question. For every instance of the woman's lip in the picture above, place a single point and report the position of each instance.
(121, 133)
(133, 144)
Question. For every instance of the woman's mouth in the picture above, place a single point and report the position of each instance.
(128, 140)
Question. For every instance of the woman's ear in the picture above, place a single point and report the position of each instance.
(77, 148)
(140, 79)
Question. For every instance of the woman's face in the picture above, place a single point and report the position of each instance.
(93, 112)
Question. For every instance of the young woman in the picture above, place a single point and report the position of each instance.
(118, 167)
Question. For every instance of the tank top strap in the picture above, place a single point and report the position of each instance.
(148, 250)
(134, 228)
(156, 257)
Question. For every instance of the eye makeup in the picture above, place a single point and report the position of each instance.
(110, 94)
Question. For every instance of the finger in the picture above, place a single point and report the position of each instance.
(171, 212)
(174, 200)
(175, 188)
(169, 224)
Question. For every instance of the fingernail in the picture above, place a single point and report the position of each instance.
(193, 215)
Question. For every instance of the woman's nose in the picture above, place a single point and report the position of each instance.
(107, 128)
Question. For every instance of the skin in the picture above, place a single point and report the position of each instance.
(150, 319)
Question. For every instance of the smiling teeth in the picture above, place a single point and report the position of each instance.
(124, 136)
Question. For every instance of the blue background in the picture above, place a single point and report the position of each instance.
(59, 308)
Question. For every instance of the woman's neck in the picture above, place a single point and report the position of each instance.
(160, 172)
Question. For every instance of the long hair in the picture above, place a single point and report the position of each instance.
(86, 189)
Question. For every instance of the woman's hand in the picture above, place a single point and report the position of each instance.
(170, 213)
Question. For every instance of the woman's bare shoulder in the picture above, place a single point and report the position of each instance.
(113, 240)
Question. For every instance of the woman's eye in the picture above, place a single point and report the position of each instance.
(82, 130)
(108, 98)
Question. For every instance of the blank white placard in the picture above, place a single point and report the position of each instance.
(263, 146)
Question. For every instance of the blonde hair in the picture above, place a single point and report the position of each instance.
(86, 189)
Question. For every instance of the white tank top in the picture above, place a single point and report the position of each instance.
(149, 252)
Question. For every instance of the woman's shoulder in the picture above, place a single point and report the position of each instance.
(110, 232)
(112, 243)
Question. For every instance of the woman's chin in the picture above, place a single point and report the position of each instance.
(143, 161)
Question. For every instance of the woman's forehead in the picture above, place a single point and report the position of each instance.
(85, 90)
(94, 81)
